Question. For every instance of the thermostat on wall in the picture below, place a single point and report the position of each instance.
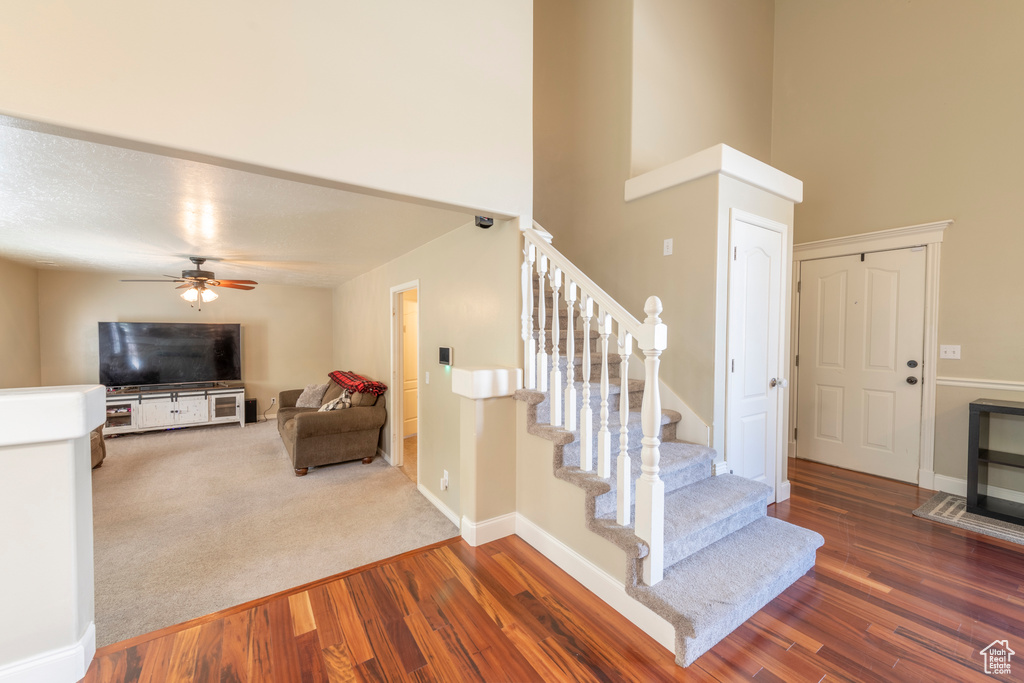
(444, 355)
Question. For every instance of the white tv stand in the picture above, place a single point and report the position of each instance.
(148, 409)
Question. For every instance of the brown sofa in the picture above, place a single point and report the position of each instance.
(314, 438)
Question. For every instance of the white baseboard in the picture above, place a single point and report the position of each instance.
(597, 581)
(387, 458)
(783, 491)
(959, 487)
(926, 479)
(720, 467)
(488, 530)
(66, 664)
(445, 510)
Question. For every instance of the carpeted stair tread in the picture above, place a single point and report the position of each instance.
(705, 512)
(708, 594)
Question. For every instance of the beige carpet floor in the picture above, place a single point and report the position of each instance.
(192, 521)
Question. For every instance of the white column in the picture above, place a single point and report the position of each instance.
(555, 384)
(46, 569)
(542, 348)
(624, 481)
(650, 489)
(529, 343)
(604, 437)
(570, 356)
(586, 412)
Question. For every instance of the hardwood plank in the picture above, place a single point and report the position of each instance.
(208, 651)
(325, 616)
(432, 647)
(350, 622)
(338, 664)
(182, 664)
(260, 664)
(112, 667)
(283, 651)
(302, 613)
(157, 660)
(234, 659)
(311, 660)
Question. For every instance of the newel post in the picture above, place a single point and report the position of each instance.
(529, 343)
(650, 489)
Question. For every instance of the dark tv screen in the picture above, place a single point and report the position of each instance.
(135, 354)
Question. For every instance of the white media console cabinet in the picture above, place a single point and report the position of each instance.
(167, 408)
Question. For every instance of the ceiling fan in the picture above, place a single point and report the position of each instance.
(197, 283)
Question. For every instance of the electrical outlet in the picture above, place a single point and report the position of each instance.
(272, 402)
(949, 351)
(667, 251)
(444, 481)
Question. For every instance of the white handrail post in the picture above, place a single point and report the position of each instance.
(586, 412)
(624, 480)
(604, 437)
(542, 349)
(529, 343)
(650, 489)
(555, 384)
(570, 357)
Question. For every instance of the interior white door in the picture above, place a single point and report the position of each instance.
(410, 351)
(754, 340)
(860, 345)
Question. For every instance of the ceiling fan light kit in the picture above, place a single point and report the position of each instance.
(199, 281)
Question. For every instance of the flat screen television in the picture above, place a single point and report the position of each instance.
(140, 354)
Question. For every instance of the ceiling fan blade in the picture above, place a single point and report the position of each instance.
(221, 283)
(240, 282)
(187, 284)
(164, 281)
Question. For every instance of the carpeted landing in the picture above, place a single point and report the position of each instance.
(192, 521)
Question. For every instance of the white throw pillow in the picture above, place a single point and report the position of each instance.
(311, 396)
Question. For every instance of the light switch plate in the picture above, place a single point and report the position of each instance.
(949, 351)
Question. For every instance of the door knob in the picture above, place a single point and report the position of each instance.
(773, 382)
(911, 380)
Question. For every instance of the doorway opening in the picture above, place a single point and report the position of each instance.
(410, 388)
(403, 409)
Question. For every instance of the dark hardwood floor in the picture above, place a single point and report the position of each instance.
(892, 598)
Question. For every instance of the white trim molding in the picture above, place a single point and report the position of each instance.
(383, 454)
(718, 159)
(959, 487)
(926, 235)
(437, 502)
(880, 240)
(68, 664)
(597, 581)
(478, 533)
(991, 384)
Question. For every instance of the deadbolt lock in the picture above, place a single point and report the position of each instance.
(911, 363)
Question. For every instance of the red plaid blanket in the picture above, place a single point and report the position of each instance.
(353, 382)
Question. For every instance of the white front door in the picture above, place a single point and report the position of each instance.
(860, 348)
(754, 340)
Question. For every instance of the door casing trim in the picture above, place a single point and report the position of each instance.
(927, 235)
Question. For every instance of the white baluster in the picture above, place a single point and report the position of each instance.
(529, 343)
(555, 384)
(542, 349)
(650, 489)
(586, 412)
(625, 474)
(604, 437)
(570, 356)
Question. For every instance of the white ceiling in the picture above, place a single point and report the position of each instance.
(81, 205)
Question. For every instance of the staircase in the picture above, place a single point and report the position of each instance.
(700, 550)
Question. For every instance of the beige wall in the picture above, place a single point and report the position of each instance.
(702, 75)
(584, 77)
(468, 300)
(286, 331)
(19, 325)
(895, 114)
(425, 99)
